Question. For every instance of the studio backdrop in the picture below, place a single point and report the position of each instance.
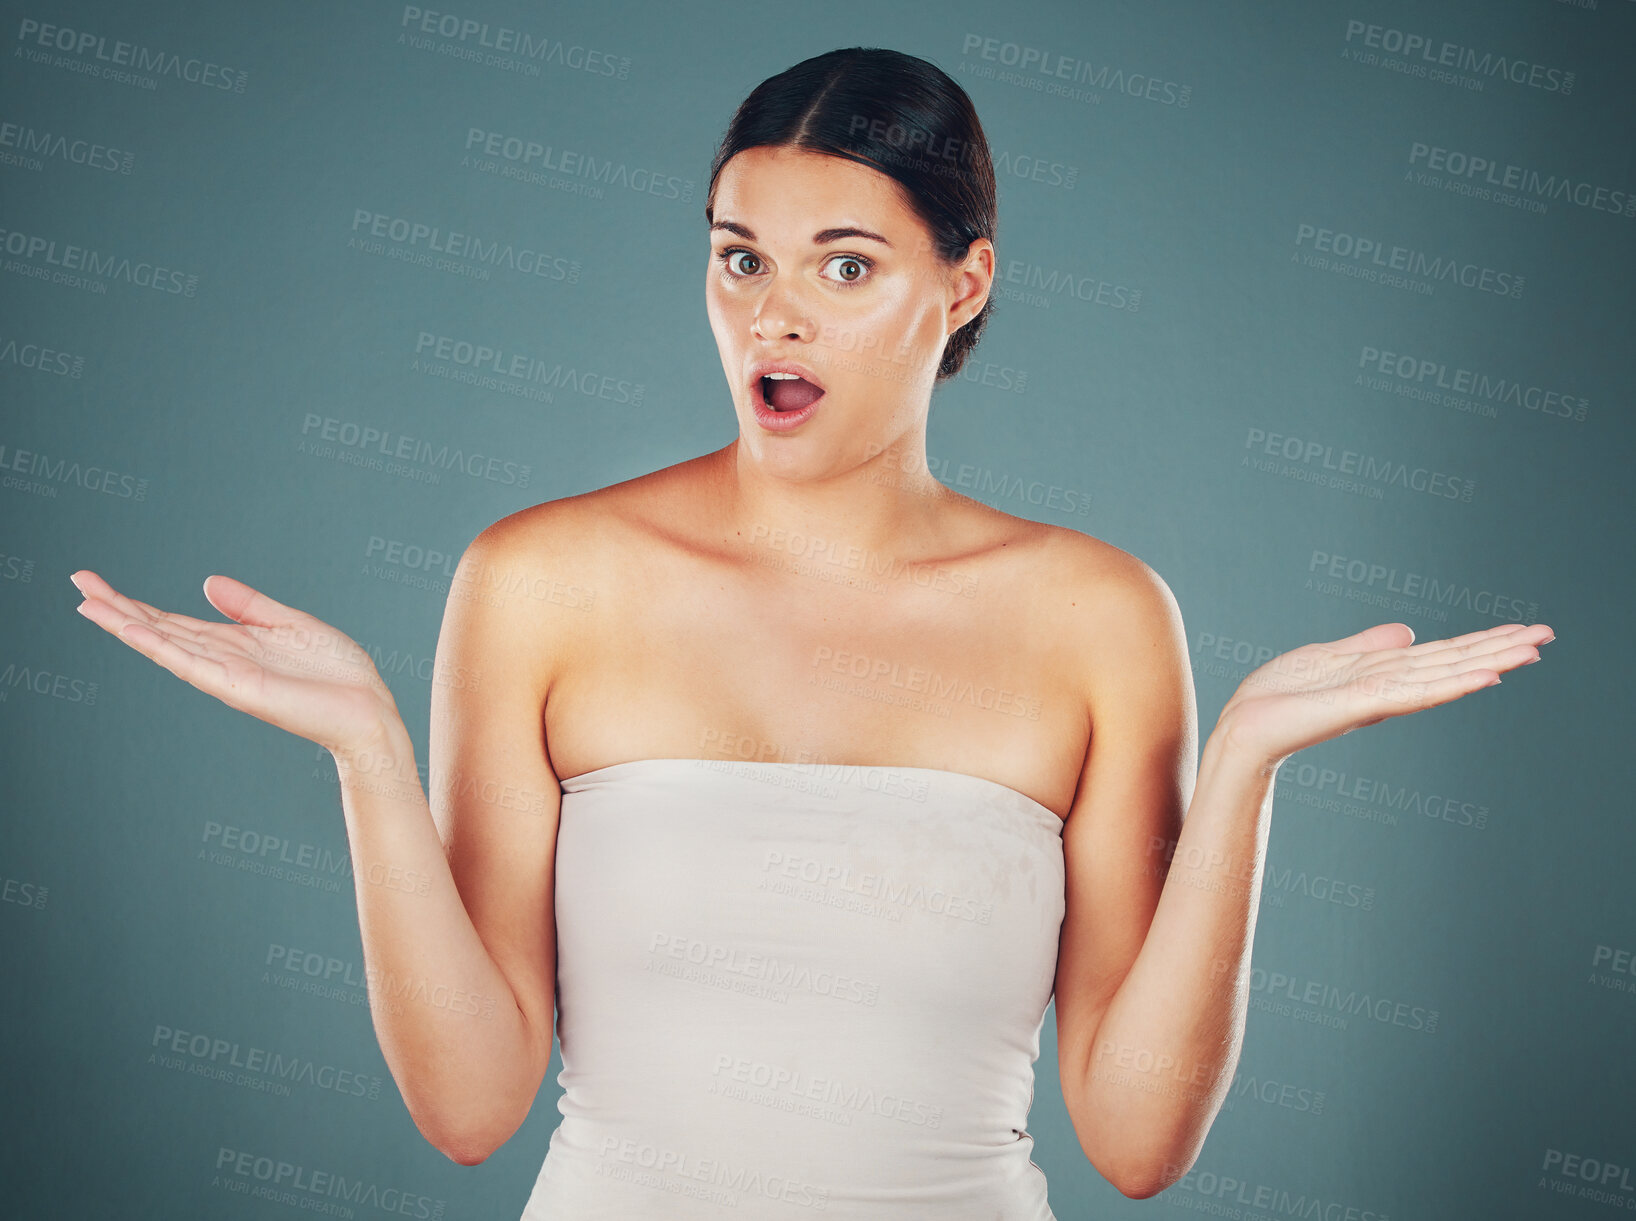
(1323, 310)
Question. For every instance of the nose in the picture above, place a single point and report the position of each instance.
(780, 315)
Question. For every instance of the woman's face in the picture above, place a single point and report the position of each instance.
(796, 276)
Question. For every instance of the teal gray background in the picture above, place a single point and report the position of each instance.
(1478, 857)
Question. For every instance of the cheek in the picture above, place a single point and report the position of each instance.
(718, 305)
(901, 315)
(845, 316)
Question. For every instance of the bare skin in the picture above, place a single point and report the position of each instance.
(689, 614)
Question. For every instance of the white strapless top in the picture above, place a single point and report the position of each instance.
(789, 990)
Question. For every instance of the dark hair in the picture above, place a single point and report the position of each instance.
(897, 114)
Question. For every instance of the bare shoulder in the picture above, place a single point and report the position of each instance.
(528, 586)
(1129, 640)
(591, 532)
(1088, 575)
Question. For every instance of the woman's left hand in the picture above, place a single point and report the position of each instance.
(1321, 691)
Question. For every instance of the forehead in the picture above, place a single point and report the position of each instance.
(791, 193)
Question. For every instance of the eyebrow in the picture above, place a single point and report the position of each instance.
(822, 237)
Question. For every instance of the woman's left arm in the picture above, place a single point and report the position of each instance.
(1150, 1055)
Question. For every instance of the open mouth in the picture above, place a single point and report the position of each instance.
(783, 393)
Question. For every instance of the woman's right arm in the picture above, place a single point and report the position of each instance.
(456, 895)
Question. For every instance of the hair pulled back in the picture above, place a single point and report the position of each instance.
(895, 113)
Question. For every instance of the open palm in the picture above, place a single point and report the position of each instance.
(274, 662)
(1321, 691)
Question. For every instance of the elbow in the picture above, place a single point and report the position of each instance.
(468, 1127)
(1138, 1188)
(1137, 1177)
(464, 1147)
(1145, 1182)
(1137, 1182)
(1138, 1159)
(465, 1155)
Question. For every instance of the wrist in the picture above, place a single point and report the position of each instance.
(384, 737)
(380, 763)
(1232, 745)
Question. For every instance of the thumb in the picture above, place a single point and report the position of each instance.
(243, 604)
(1381, 636)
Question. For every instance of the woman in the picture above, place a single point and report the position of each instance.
(790, 983)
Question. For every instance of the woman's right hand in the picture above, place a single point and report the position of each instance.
(274, 662)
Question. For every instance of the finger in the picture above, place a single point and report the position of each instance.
(201, 671)
(1385, 696)
(1482, 649)
(1470, 638)
(1450, 653)
(108, 616)
(93, 586)
(1473, 644)
(1371, 639)
(103, 615)
(85, 580)
(114, 617)
(114, 622)
(1450, 688)
(132, 610)
(246, 605)
(1497, 661)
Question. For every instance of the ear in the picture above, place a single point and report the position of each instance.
(969, 282)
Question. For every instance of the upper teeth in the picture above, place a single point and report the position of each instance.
(785, 376)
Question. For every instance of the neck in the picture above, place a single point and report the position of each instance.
(887, 505)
